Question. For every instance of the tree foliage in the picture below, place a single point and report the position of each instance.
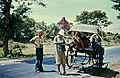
(116, 6)
(96, 17)
(8, 19)
(50, 30)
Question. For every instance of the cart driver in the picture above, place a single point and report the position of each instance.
(95, 40)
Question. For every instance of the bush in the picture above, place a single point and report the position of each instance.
(1, 43)
(117, 40)
(15, 49)
(106, 39)
(1, 55)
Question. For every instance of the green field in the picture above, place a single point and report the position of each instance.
(1, 54)
(48, 49)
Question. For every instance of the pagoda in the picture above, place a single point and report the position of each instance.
(64, 24)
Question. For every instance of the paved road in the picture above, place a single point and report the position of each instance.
(112, 54)
(24, 68)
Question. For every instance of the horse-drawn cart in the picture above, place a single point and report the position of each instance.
(92, 55)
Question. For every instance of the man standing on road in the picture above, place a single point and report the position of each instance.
(60, 51)
(38, 41)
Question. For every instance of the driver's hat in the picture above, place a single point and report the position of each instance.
(61, 32)
(39, 31)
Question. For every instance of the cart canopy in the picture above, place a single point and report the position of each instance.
(84, 28)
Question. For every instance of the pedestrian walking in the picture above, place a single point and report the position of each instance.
(38, 42)
(60, 51)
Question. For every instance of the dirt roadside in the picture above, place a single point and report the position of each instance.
(113, 71)
(116, 67)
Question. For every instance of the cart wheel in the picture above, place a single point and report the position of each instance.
(70, 58)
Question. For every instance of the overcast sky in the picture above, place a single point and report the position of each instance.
(56, 9)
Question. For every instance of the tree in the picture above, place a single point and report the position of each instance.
(6, 26)
(41, 25)
(53, 30)
(49, 30)
(97, 18)
(116, 6)
(23, 30)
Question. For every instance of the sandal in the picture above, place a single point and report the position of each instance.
(64, 73)
(59, 73)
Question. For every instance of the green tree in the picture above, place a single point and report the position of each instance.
(96, 17)
(116, 6)
(23, 30)
(49, 30)
(103, 35)
(6, 24)
(41, 25)
(53, 30)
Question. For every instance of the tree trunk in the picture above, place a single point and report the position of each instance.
(5, 45)
(6, 31)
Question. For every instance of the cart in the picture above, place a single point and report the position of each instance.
(84, 56)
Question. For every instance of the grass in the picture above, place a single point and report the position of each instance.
(1, 54)
(48, 49)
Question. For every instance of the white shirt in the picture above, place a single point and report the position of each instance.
(95, 36)
(38, 41)
(59, 47)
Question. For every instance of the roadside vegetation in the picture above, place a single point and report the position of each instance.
(110, 39)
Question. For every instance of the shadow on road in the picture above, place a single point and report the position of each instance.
(49, 71)
(47, 60)
(104, 72)
(73, 74)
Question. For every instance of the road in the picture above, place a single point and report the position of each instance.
(24, 68)
(112, 54)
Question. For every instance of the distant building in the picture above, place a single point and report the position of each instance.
(64, 24)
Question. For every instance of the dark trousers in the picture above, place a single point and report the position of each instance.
(39, 59)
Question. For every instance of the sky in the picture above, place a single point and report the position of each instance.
(56, 9)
